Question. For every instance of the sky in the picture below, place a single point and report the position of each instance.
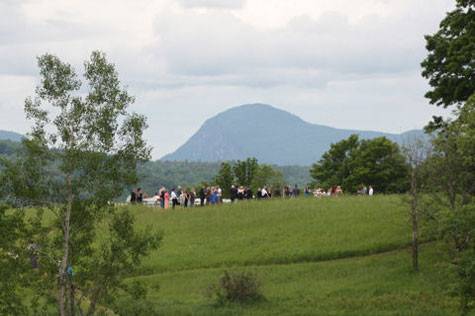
(349, 64)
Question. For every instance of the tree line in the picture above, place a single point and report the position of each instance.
(152, 175)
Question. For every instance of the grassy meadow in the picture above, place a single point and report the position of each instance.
(335, 256)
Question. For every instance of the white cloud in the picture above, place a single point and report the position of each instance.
(347, 64)
(221, 4)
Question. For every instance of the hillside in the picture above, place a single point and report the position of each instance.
(155, 174)
(12, 136)
(269, 134)
(343, 256)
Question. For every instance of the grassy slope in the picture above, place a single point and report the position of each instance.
(380, 284)
(284, 243)
(275, 232)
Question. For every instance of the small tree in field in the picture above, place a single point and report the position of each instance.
(82, 152)
(416, 152)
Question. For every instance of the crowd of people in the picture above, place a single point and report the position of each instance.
(337, 190)
(212, 195)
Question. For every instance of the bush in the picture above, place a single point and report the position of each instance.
(134, 302)
(236, 287)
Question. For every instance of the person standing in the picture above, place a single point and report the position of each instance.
(248, 193)
(133, 196)
(219, 193)
(233, 193)
(264, 193)
(166, 197)
(192, 197)
(370, 191)
(186, 198)
(259, 193)
(139, 196)
(162, 197)
(202, 196)
(174, 198)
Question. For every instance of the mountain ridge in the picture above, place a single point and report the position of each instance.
(11, 136)
(270, 134)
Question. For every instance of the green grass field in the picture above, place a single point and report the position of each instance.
(338, 256)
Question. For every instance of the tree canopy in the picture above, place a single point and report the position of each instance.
(450, 63)
(353, 162)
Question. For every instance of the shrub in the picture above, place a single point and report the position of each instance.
(236, 287)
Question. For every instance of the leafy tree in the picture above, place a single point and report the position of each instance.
(225, 178)
(453, 174)
(352, 162)
(332, 169)
(245, 171)
(450, 65)
(417, 152)
(377, 162)
(450, 68)
(266, 175)
(78, 158)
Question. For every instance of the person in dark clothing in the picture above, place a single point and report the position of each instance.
(187, 198)
(296, 191)
(240, 193)
(202, 195)
(248, 193)
(233, 192)
(133, 196)
(139, 195)
(192, 197)
(259, 193)
(162, 198)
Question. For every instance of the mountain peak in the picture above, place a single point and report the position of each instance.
(255, 113)
(263, 131)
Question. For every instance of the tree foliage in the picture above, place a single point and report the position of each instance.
(13, 262)
(248, 173)
(450, 68)
(450, 64)
(453, 174)
(245, 171)
(82, 151)
(332, 169)
(352, 162)
(266, 175)
(225, 178)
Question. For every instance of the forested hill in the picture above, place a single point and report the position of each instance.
(12, 136)
(267, 133)
(154, 174)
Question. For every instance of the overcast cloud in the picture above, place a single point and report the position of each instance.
(349, 64)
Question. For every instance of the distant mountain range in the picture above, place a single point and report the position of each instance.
(7, 135)
(269, 134)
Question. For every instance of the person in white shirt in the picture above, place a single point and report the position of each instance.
(264, 193)
(370, 191)
(174, 198)
(220, 195)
